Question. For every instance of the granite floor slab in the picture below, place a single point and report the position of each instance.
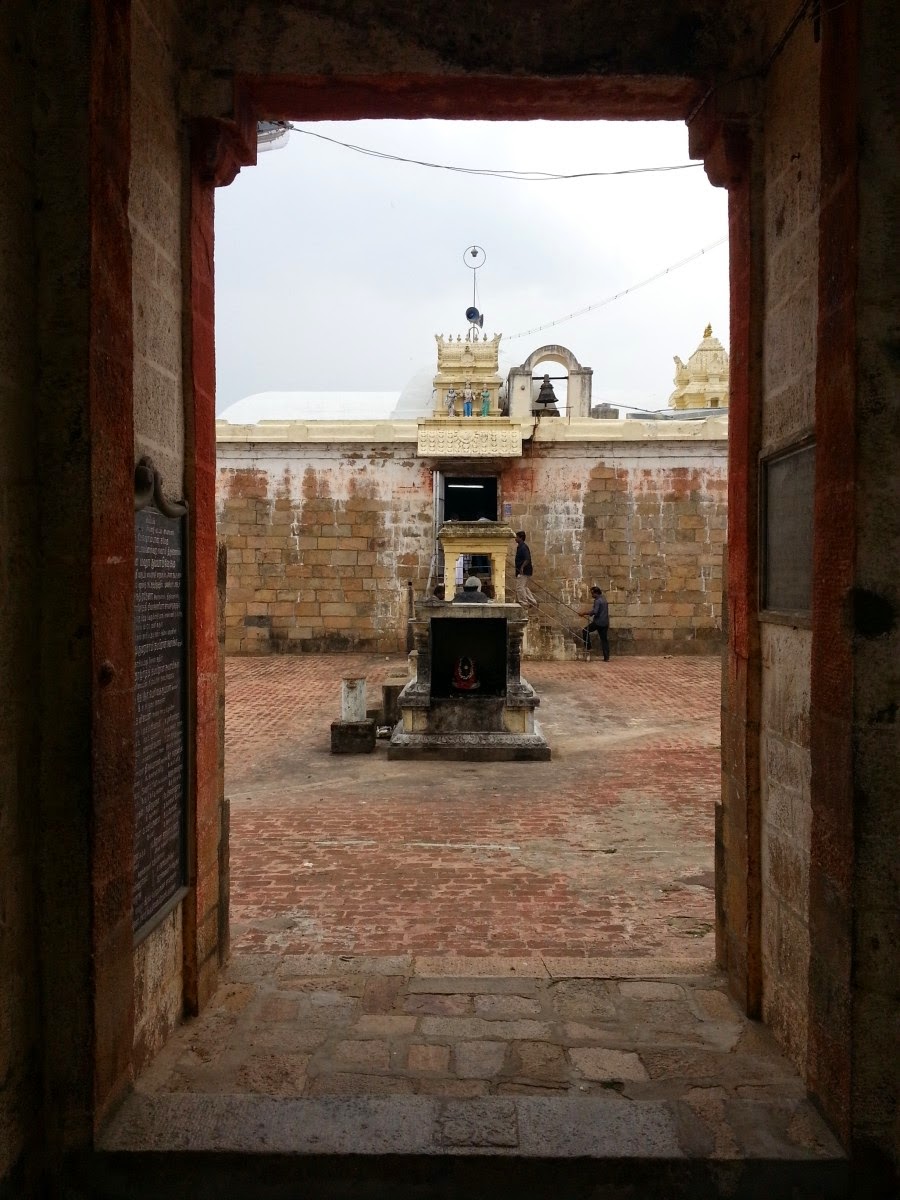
(336, 1054)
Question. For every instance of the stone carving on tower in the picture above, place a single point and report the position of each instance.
(702, 382)
(466, 420)
(467, 363)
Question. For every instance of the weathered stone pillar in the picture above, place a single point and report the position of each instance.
(731, 156)
(83, 394)
(353, 698)
(421, 645)
(519, 393)
(579, 393)
(515, 633)
(218, 150)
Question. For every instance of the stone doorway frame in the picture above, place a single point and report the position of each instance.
(725, 140)
(220, 147)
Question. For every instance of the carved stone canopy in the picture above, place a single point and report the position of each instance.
(490, 538)
(467, 362)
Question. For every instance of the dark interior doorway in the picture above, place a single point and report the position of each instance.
(483, 642)
(470, 498)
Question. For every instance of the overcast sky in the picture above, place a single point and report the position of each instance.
(334, 269)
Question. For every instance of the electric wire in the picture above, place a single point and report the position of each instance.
(804, 9)
(618, 295)
(494, 173)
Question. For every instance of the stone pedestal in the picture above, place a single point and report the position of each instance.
(353, 698)
(352, 737)
(468, 700)
(355, 732)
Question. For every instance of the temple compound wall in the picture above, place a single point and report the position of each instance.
(324, 538)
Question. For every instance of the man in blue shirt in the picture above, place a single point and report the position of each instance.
(599, 622)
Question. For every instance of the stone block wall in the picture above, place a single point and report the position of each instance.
(645, 521)
(322, 540)
(154, 214)
(791, 222)
(320, 545)
(785, 834)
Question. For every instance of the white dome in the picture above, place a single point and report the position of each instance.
(310, 406)
(417, 397)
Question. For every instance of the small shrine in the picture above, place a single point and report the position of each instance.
(702, 382)
(467, 699)
(488, 539)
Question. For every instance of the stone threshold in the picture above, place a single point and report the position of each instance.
(686, 1132)
(597, 1127)
(250, 964)
(409, 1147)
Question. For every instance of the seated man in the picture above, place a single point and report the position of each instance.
(471, 593)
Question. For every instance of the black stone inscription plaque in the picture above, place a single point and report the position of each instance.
(160, 758)
(788, 489)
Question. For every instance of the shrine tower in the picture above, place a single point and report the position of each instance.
(463, 361)
(702, 382)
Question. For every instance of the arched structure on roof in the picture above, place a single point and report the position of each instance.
(580, 378)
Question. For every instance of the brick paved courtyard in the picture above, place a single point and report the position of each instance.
(410, 937)
(604, 851)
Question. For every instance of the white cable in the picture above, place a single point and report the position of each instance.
(609, 299)
(515, 176)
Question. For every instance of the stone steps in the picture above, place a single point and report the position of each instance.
(410, 1148)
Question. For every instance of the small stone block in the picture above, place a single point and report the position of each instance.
(380, 993)
(650, 990)
(490, 1122)
(428, 1058)
(374, 1054)
(596, 1062)
(507, 1006)
(352, 737)
(438, 1006)
(479, 1060)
